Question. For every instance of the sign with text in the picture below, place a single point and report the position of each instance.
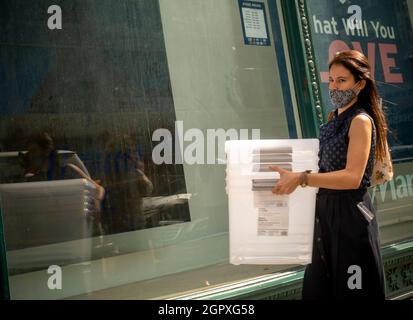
(383, 32)
(254, 23)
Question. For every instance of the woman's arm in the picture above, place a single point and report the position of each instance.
(348, 178)
(99, 188)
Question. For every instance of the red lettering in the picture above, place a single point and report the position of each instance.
(387, 63)
(384, 48)
(371, 54)
(335, 46)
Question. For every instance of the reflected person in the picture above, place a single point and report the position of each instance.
(125, 183)
(43, 162)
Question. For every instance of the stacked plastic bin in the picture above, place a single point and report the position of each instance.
(44, 221)
(265, 228)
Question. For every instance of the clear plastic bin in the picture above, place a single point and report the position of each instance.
(265, 228)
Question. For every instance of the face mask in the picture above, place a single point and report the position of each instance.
(340, 98)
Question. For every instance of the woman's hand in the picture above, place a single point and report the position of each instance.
(288, 182)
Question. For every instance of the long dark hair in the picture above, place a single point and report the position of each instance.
(368, 97)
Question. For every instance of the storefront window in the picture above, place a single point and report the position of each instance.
(385, 36)
(107, 118)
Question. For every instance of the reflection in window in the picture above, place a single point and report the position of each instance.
(78, 108)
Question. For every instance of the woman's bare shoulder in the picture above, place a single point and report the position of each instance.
(359, 124)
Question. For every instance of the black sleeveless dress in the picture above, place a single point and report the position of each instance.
(346, 260)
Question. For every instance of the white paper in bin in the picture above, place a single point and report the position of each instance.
(246, 246)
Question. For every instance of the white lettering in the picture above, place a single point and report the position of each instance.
(55, 20)
(55, 280)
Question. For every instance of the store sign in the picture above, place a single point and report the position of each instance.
(382, 32)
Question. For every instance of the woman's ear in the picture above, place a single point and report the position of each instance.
(359, 86)
(362, 84)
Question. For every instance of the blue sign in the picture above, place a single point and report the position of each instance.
(254, 23)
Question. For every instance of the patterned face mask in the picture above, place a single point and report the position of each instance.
(340, 98)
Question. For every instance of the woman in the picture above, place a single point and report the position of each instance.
(346, 261)
(126, 184)
(43, 162)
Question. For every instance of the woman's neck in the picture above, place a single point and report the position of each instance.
(348, 106)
